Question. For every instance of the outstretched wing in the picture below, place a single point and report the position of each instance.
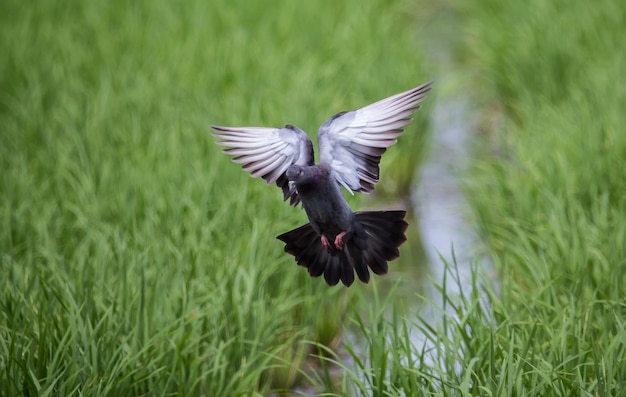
(353, 142)
(268, 152)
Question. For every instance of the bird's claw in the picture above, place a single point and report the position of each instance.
(325, 242)
(339, 240)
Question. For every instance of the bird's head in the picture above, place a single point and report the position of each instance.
(312, 176)
(295, 173)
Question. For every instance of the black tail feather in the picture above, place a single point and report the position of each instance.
(384, 234)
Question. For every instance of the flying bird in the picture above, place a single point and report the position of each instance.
(337, 241)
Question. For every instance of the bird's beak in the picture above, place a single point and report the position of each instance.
(292, 185)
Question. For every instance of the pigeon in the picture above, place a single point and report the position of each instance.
(336, 242)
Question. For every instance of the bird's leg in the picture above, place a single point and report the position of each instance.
(325, 242)
(339, 240)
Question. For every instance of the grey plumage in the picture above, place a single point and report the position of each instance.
(268, 152)
(337, 241)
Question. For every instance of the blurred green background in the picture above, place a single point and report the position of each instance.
(136, 259)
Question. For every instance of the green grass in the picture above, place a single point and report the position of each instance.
(555, 218)
(135, 258)
(549, 191)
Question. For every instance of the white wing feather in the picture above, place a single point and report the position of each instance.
(268, 152)
(353, 142)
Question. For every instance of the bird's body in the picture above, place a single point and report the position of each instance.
(337, 241)
(321, 197)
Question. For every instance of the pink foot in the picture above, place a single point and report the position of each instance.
(339, 240)
(325, 242)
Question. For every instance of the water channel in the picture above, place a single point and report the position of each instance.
(442, 229)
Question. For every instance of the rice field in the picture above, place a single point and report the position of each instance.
(136, 259)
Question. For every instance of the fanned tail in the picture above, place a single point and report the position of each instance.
(384, 233)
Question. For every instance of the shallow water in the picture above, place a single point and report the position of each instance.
(449, 234)
(443, 212)
(443, 228)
